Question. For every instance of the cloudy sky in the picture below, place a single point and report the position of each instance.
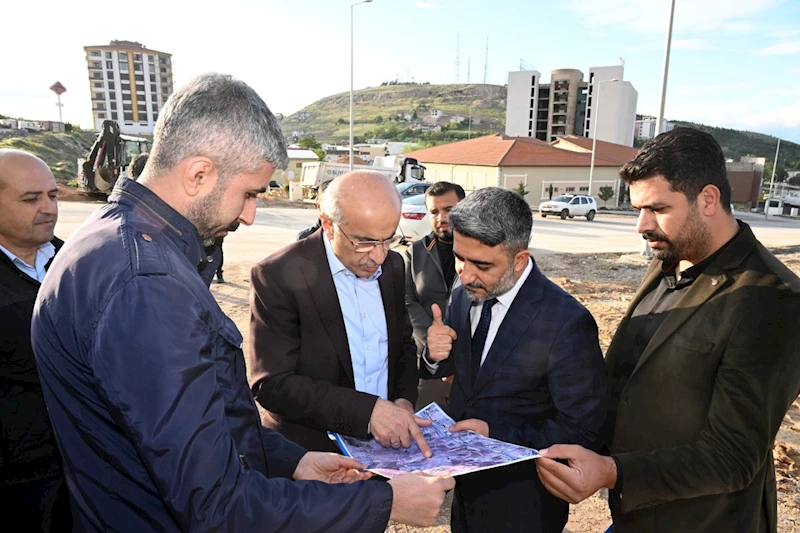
(734, 63)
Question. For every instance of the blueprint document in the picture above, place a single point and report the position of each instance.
(453, 453)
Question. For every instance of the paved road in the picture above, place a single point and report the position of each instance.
(274, 228)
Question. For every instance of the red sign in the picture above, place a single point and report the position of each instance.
(58, 88)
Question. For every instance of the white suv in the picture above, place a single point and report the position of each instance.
(570, 205)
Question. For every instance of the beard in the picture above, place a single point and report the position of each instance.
(502, 286)
(690, 242)
(203, 215)
(444, 236)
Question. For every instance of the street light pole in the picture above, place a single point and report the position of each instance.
(660, 119)
(595, 119)
(772, 181)
(351, 78)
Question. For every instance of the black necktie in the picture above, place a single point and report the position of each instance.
(479, 337)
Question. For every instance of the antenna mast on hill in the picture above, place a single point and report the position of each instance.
(486, 63)
(458, 37)
(524, 65)
(469, 61)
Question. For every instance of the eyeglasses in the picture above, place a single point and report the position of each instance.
(367, 246)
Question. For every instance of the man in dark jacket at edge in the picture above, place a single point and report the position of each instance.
(144, 374)
(31, 478)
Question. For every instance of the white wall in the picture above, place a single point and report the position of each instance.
(518, 102)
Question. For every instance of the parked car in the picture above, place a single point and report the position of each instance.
(570, 205)
(408, 189)
(414, 223)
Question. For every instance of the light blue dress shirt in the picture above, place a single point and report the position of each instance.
(37, 271)
(365, 324)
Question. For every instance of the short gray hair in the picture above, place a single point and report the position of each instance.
(494, 216)
(220, 117)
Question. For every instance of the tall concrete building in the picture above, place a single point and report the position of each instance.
(548, 111)
(610, 101)
(129, 83)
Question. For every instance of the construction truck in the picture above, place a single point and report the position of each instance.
(397, 169)
(108, 159)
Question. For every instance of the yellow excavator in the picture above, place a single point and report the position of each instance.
(108, 159)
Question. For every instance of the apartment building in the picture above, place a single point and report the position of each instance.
(564, 106)
(129, 83)
(646, 127)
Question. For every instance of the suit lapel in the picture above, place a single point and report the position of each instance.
(650, 280)
(703, 288)
(318, 277)
(522, 312)
(433, 255)
(387, 295)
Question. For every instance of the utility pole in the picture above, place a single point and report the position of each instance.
(660, 122)
(772, 181)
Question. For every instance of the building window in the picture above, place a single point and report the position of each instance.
(137, 66)
(585, 188)
(113, 106)
(153, 88)
(97, 75)
(570, 189)
(98, 84)
(94, 53)
(163, 70)
(111, 85)
(123, 66)
(155, 116)
(127, 107)
(101, 115)
(108, 55)
(150, 59)
(137, 57)
(109, 65)
(139, 77)
(298, 165)
(112, 95)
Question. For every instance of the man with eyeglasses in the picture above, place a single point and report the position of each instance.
(331, 345)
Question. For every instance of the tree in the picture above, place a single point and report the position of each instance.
(521, 190)
(309, 143)
(606, 194)
(321, 154)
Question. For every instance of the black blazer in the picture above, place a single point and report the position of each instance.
(299, 362)
(27, 444)
(543, 382)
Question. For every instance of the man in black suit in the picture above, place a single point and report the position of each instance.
(31, 479)
(526, 360)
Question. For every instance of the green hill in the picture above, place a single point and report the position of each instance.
(736, 144)
(377, 110)
(60, 151)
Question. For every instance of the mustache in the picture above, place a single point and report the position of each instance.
(654, 236)
(475, 285)
(369, 263)
(232, 227)
(44, 218)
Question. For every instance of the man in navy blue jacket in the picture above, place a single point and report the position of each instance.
(143, 373)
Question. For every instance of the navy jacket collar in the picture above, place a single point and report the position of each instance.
(176, 227)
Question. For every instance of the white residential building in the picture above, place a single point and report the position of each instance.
(612, 104)
(646, 128)
(129, 83)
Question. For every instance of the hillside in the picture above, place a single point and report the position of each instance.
(60, 151)
(376, 111)
(736, 144)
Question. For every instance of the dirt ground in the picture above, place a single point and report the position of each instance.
(605, 284)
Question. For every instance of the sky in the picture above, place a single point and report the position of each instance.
(734, 63)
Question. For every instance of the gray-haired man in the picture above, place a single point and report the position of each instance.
(527, 364)
(144, 374)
